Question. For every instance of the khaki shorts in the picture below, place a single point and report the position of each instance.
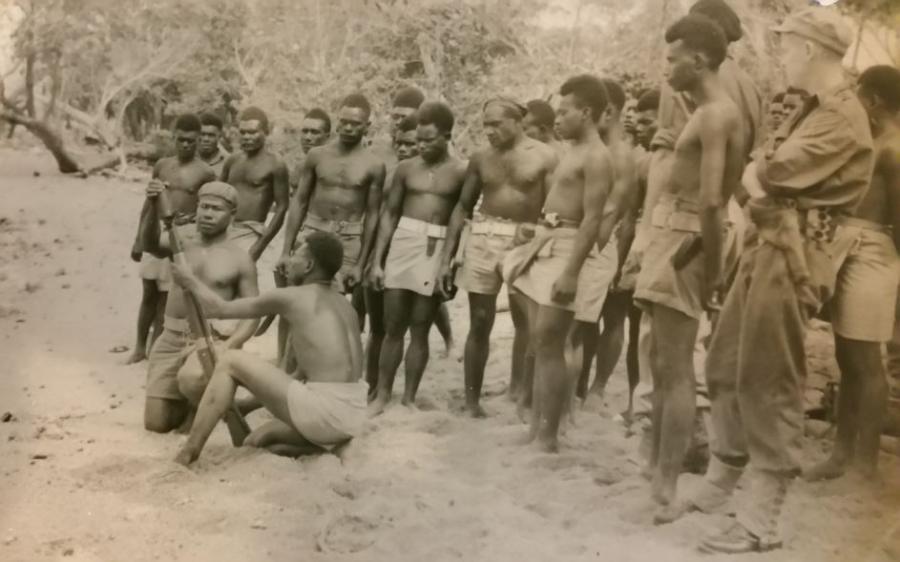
(172, 359)
(327, 414)
(866, 291)
(156, 269)
(487, 244)
(414, 258)
(597, 272)
(350, 235)
(674, 223)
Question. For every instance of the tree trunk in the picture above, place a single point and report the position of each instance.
(49, 137)
(29, 84)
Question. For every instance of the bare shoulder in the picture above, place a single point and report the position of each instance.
(544, 153)
(374, 162)
(457, 167)
(889, 152)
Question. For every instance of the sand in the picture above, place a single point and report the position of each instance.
(81, 479)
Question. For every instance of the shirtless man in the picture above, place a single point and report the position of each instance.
(424, 193)
(538, 122)
(339, 191)
(208, 148)
(220, 264)
(323, 404)
(558, 270)
(261, 180)
(624, 169)
(675, 288)
(184, 174)
(315, 130)
(862, 314)
(406, 102)
(513, 175)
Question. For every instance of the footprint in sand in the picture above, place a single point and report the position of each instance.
(347, 534)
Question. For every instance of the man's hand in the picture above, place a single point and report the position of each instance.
(154, 188)
(376, 277)
(445, 280)
(524, 234)
(352, 277)
(563, 290)
(182, 276)
(713, 295)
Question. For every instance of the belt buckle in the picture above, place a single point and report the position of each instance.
(340, 226)
(552, 219)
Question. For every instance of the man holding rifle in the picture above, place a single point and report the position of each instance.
(223, 266)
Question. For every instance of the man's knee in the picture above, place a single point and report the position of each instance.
(162, 415)
(192, 385)
(482, 320)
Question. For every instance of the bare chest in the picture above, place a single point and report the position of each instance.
(253, 174)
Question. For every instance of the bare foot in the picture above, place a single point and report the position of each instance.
(661, 491)
(668, 513)
(449, 345)
(594, 402)
(377, 407)
(186, 456)
(548, 444)
(829, 469)
(526, 439)
(136, 357)
(476, 411)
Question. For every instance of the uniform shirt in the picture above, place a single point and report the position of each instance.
(674, 112)
(823, 156)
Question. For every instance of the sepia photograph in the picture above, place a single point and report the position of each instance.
(449, 280)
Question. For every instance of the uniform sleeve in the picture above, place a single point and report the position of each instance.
(818, 148)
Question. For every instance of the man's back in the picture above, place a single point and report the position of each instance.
(324, 332)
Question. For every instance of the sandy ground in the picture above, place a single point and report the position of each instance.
(81, 479)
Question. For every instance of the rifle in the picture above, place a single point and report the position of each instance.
(197, 322)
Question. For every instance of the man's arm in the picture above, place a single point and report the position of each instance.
(214, 306)
(468, 197)
(598, 182)
(226, 168)
(391, 215)
(137, 246)
(890, 169)
(247, 289)
(300, 201)
(373, 214)
(814, 151)
(714, 132)
(621, 205)
(280, 190)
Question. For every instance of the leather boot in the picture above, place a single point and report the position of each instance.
(713, 493)
(756, 528)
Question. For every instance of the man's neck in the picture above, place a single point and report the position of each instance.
(824, 78)
(885, 126)
(707, 89)
(516, 141)
(206, 157)
(186, 161)
(587, 135)
(315, 279)
(348, 148)
(437, 161)
(614, 134)
(255, 152)
(211, 239)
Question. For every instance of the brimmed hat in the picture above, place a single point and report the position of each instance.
(822, 25)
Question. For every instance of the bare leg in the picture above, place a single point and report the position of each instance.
(146, 317)
(358, 300)
(267, 383)
(375, 307)
(527, 397)
(675, 335)
(612, 339)
(482, 312)
(161, 301)
(631, 356)
(551, 330)
(518, 310)
(162, 415)
(397, 305)
(442, 321)
(589, 336)
(283, 334)
(863, 389)
(281, 439)
(421, 318)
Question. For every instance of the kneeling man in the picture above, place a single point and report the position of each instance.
(323, 403)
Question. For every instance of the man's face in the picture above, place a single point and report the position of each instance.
(185, 144)
(209, 139)
(406, 145)
(533, 130)
(399, 114)
(253, 136)
(645, 127)
(501, 129)
(571, 119)
(313, 133)
(629, 117)
(432, 142)
(299, 266)
(352, 125)
(795, 55)
(776, 115)
(213, 215)
(790, 105)
(681, 66)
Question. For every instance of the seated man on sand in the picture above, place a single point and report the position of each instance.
(320, 406)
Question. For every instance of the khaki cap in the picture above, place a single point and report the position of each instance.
(221, 190)
(819, 24)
